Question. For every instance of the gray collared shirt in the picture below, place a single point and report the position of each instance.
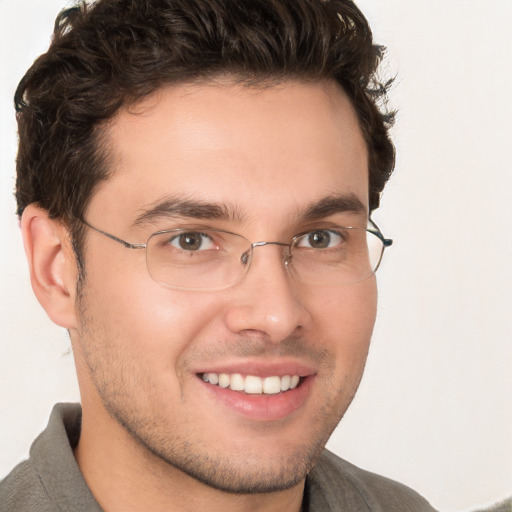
(50, 480)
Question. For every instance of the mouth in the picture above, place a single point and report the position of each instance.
(260, 391)
(253, 384)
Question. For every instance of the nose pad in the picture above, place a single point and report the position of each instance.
(247, 256)
(286, 255)
(245, 259)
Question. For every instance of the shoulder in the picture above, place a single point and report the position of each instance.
(339, 485)
(502, 506)
(50, 480)
(23, 491)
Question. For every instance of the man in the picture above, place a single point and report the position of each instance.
(195, 180)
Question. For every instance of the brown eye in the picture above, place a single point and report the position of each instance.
(319, 239)
(192, 241)
(322, 239)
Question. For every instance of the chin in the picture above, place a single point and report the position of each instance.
(251, 477)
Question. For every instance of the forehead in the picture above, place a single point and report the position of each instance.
(264, 152)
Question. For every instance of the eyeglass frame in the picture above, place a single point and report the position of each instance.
(371, 228)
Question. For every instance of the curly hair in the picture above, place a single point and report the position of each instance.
(113, 53)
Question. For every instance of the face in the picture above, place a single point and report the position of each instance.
(259, 159)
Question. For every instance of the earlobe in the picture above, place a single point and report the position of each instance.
(52, 265)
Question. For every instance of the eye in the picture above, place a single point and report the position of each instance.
(192, 241)
(321, 239)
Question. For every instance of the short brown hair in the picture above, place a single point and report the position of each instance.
(115, 52)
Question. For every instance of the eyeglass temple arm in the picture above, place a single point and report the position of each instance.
(128, 245)
(373, 228)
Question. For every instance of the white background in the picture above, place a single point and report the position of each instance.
(435, 407)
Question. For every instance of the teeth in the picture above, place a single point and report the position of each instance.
(236, 382)
(252, 384)
(271, 385)
(213, 378)
(223, 380)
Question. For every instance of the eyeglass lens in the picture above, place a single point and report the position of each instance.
(215, 259)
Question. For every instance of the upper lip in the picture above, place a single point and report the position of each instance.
(260, 368)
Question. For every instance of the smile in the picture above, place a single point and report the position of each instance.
(252, 384)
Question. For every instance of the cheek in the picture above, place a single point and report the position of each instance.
(344, 319)
(149, 321)
(354, 304)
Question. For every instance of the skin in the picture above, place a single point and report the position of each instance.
(154, 435)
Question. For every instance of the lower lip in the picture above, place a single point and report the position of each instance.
(263, 407)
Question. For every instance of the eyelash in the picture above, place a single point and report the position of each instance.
(216, 241)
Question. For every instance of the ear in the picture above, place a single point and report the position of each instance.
(52, 263)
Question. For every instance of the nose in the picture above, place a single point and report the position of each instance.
(267, 302)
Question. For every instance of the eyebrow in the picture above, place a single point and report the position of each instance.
(332, 205)
(179, 207)
(170, 207)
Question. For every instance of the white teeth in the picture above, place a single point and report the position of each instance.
(213, 378)
(271, 385)
(252, 384)
(224, 380)
(236, 382)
